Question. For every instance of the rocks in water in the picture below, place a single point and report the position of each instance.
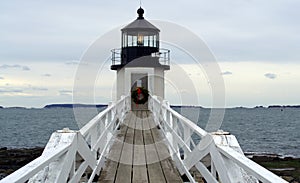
(286, 167)
(13, 159)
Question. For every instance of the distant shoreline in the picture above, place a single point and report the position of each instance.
(71, 106)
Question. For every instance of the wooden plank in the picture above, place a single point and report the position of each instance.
(170, 172)
(138, 138)
(145, 123)
(123, 173)
(116, 149)
(151, 121)
(126, 123)
(109, 172)
(155, 173)
(139, 121)
(140, 174)
(127, 151)
(151, 153)
(125, 165)
(153, 165)
(160, 143)
(143, 157)
(139, 157)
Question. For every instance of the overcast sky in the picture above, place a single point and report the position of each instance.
(255, 42)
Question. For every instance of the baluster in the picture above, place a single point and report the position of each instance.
(174, 126)
(107, 122)
(168, 119)
(113, 114)
(102, 130)
(186, 138)
(213, 169)
(109, 117)
(94, 138)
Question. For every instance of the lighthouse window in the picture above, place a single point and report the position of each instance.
(146, 39)
(140, 40)
(130, 39)
(124, 43)
(134, 40)
(151, 41)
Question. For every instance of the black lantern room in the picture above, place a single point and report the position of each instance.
(140, 38)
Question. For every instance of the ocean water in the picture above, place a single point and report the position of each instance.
(257, 130)
(261, 130)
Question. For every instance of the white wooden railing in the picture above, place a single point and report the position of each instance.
(78, 156)
(220, 151)
(75, 156)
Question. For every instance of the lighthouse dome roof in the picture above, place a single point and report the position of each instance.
(140, 24)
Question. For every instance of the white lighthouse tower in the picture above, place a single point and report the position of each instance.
(140, 63)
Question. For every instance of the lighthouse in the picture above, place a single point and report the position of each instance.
(140, 62)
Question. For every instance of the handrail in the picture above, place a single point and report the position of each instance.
(60, 162)
(218, 150)
(163, 56)
(165, 107)
(85, 129)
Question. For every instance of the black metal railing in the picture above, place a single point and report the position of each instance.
(116, 56)
(163, 56)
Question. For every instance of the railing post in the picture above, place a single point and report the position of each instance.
(121, 108)
(94, 137)
(187, 139)
(165, 106)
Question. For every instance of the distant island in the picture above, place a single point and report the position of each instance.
(185, 106)
(284, 106)
(73, 106)
(50, 106)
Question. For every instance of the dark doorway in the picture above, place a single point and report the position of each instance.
(139, 80)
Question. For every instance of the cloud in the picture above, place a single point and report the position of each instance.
(35, 88)
(47, 75)
(239, 25)
(270, 75)
(25, 68)
(11, 91)
(74, 62)
(226, 73)
(1, 77)
(65, 92)
(39, 89)
(16, 66)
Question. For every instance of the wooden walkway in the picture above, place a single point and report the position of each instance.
(139, 154)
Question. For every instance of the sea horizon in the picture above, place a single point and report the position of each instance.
(88, 105)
